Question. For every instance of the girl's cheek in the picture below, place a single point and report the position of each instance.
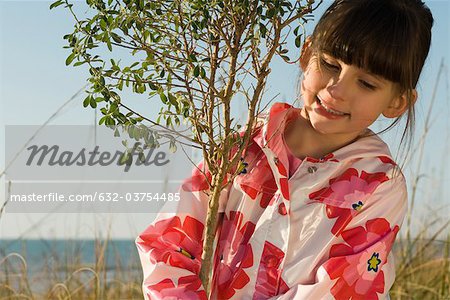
(311, 80)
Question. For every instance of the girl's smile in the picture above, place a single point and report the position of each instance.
(328, 111)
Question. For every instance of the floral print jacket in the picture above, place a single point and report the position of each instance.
(324, 233)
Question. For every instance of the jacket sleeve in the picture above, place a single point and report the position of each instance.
(361, 265)
(170, 248)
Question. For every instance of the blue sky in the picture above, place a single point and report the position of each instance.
(34, 82)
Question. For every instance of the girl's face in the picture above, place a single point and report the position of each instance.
(342, 100)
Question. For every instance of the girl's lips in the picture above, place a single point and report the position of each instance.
(324, 112)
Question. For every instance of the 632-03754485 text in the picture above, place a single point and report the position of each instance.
(96, 196)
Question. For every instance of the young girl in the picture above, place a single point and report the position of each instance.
(317, 208)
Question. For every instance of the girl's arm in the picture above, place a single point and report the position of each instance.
(170, 248)
(362, 265)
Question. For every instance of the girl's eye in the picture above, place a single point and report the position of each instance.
(367, 85)
(328, 65)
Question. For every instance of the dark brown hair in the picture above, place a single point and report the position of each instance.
(390, 38)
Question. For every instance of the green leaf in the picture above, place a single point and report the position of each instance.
(102, 120)
(270, 13)
(103, 24)
(203, 73)
(116, 37)
(56, 4)
(141, 89)
(163, 98)
(124, 158)
(92, 102)
(186, 113)
(192, 57)
(262, 29)
(79, 63)
(173, 100)
(87, 101)
(298, 41)
(70, 59)
(196, 71)
(108, 44)
(120, 84)
(152, 86)
(152, 143)
(172, 146)
(131, 132)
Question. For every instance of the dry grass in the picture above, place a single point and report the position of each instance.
(423, 261)
(423, 272)
(68, 278)
(422, 268)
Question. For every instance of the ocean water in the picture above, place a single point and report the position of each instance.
(58, 254)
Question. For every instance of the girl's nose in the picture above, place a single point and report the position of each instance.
(338, 87)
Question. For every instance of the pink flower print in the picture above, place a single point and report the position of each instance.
(187, 289)
(233, 255)
(284, 185)
(282, 288)
(173, 243)
(269, 272)
(282, 209)
(257, 172)
(260, 181)
(342, 215)
(198, 181)
(387, 160)
(356, 264)
(280, 167)
(328, 157)
(346, 194)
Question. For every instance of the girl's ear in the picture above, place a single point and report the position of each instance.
(399, 105)
(306, 54)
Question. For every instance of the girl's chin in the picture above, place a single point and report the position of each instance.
(323, 126)
(322, 130)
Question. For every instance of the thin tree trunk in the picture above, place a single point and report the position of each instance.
(210, 230)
